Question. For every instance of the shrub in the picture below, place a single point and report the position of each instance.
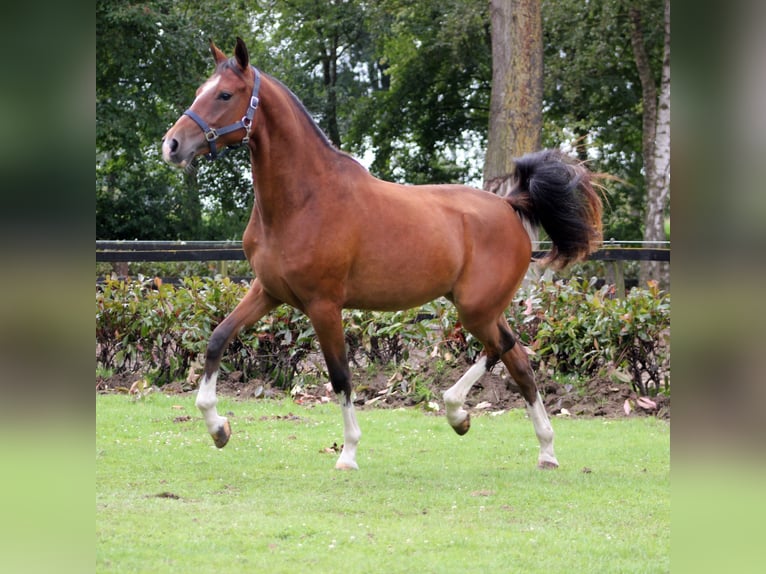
(146, 325)
(383, 338)
(571, 328)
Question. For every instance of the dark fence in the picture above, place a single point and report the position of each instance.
(617, 253)
(113, 251)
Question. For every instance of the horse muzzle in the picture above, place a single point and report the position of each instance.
(179, 150)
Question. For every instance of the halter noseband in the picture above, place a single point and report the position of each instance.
(212, 134)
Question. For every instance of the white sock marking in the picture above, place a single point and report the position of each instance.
(543, 430)
(454, 397)
(351, 436)
(206, 402)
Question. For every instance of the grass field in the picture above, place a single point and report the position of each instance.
(424, 500)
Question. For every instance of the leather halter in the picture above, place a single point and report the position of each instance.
(212, 134)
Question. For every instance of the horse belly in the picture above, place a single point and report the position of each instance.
(400, 278)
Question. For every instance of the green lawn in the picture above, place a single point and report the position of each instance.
(424, 499)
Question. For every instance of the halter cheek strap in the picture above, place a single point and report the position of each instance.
(212, 134)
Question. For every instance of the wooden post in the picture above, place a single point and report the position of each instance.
(223, 268)
(619, 277)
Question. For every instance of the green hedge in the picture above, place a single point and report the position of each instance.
(572, 327)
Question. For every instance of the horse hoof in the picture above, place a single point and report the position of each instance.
(462, 427)
(547, 465)
(222, 435)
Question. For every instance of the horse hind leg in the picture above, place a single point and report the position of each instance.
(516, 361)
(495, 342)
(499, 342)
(254, 305)
(454, 397)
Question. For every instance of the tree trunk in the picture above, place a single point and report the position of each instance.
(656, 142)
(515, 117)
(190, 209)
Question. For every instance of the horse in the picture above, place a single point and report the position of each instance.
(324, 235)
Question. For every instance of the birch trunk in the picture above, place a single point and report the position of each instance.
(656, 143)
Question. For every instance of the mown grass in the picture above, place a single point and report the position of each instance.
(424, 500)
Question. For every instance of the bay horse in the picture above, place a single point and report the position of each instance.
(325, 235)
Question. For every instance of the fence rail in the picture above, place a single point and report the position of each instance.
(136, 251)
(614, 253)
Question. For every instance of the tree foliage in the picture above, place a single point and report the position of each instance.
(324, 42)
(151, 56)
(593, 95)
(433, 99)
(404, 84)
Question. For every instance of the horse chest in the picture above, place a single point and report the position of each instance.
(284, 273)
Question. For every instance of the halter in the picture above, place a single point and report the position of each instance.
(212, 134)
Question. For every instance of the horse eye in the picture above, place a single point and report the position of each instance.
(225, 96)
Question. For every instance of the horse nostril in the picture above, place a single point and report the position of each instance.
(173, 145)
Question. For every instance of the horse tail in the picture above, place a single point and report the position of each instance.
(557, 193)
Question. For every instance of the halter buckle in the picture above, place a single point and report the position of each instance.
(211, 135)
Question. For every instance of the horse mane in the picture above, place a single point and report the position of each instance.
(312, 122)
(304, 112)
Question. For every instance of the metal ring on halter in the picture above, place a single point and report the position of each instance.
(246, 123)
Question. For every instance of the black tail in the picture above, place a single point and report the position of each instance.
(555, 192)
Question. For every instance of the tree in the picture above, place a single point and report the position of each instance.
(322, 44)
(405, 82)
(428, 96)
(151, 56)
(515, 120)
(656, 135)
(593, 103)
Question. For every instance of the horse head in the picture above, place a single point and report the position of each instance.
(221, 114)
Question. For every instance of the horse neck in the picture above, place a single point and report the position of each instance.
(287, 153)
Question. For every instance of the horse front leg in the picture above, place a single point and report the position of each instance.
(327, 321)
(254, 305)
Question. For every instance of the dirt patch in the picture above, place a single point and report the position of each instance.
(423, 387)
(497, 391)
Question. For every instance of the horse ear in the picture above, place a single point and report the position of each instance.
(240, 52)
(218, 56)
